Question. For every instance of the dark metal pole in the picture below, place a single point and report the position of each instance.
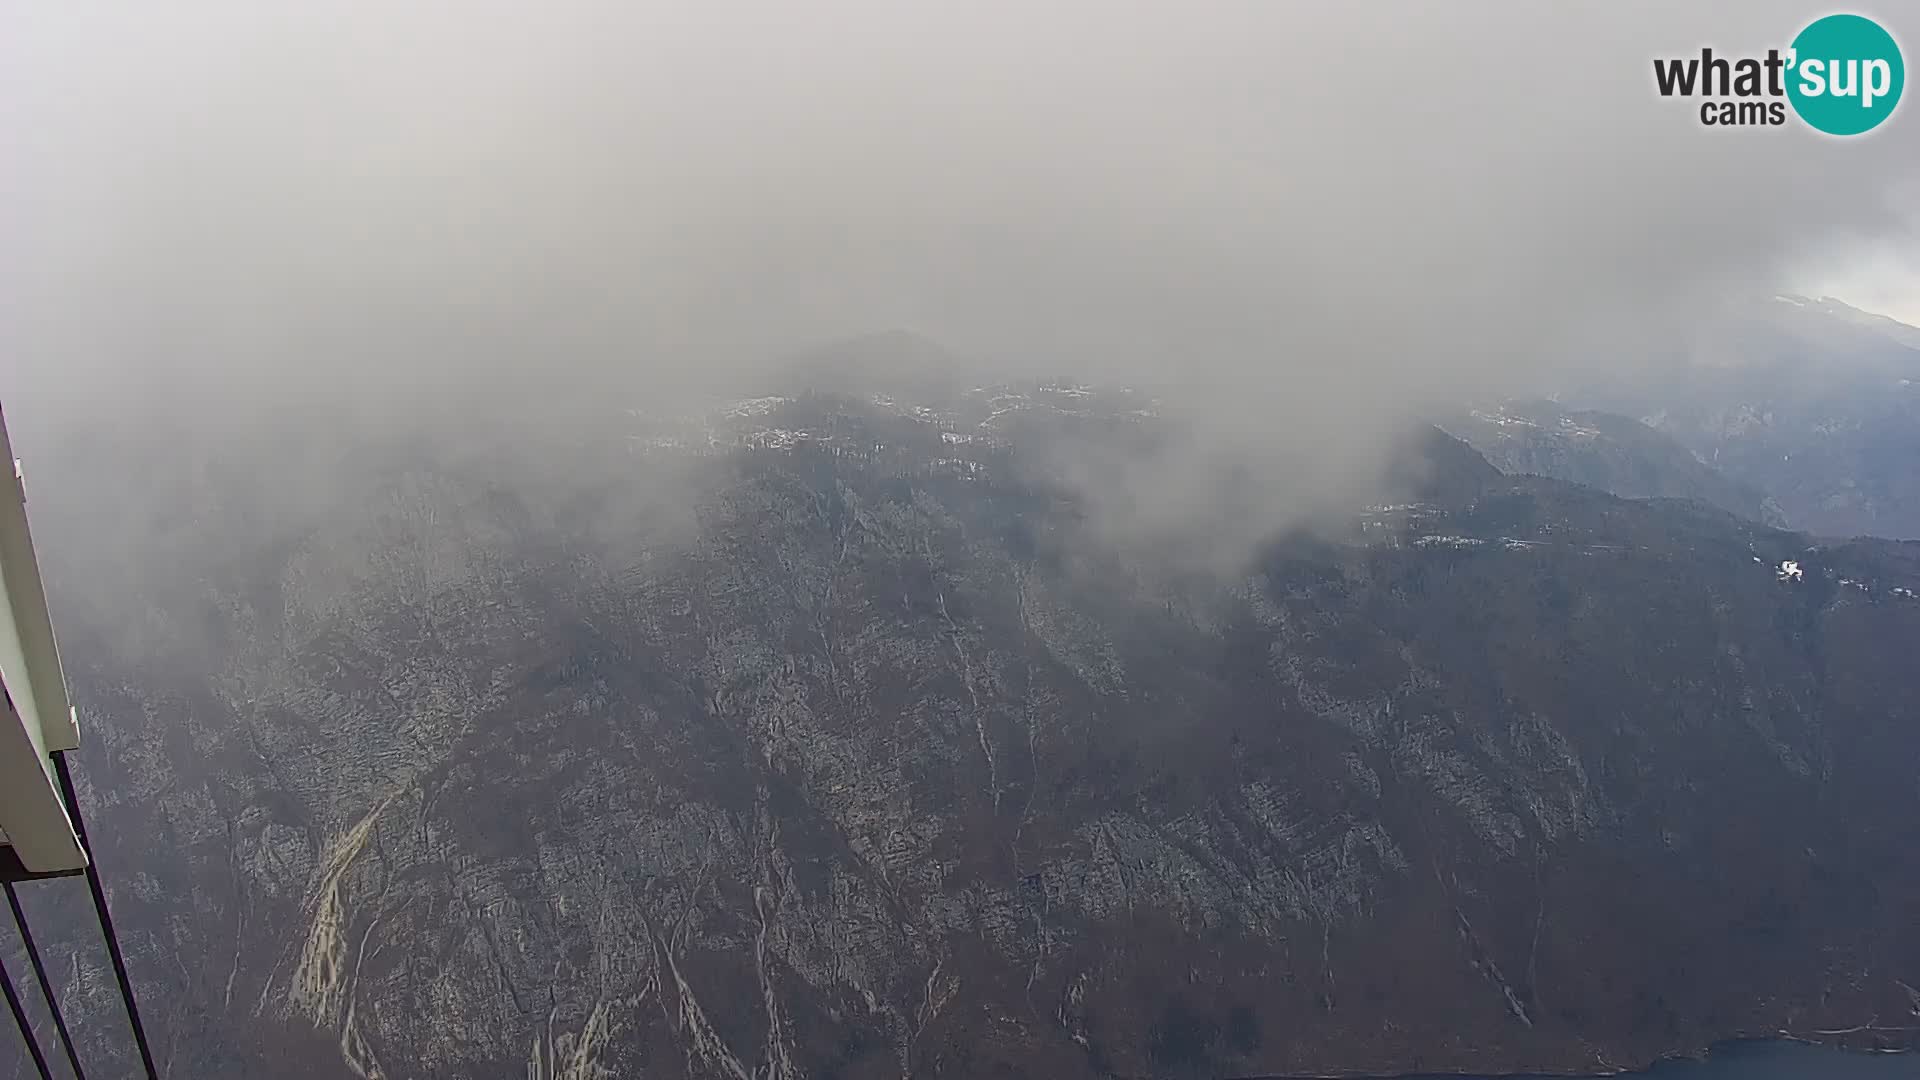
(46, 985)
(106, 918)
(26, 1027)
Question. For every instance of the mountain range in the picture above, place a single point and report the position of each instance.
(1812, 403)
(823, 733)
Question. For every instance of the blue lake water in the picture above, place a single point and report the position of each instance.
(1773, 1061)
(1790, 1061)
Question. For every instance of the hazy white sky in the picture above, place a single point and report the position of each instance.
(250, 192)
(1884, 285)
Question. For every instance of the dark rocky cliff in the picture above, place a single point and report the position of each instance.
(853, 753)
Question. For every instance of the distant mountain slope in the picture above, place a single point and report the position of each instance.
(1812, 402)
(1603, 450)
(817, 735)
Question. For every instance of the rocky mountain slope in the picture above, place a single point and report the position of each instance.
(1603, 450)
(821, 736)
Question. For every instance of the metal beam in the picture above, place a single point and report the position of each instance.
(38, 719)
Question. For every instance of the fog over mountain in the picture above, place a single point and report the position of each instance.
(865, 540)
(1307, 222)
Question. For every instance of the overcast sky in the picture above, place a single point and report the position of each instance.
(1315, 217)
(1886, 284)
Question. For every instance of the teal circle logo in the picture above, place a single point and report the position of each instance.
(1846, 74)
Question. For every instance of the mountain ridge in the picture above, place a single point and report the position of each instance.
(885, 763)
